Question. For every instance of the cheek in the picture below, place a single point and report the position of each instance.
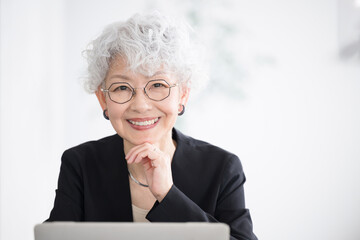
(171, 107)
(115, 111)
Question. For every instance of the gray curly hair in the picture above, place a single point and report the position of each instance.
(147, 43)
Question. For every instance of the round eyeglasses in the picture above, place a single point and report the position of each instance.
(123, 92)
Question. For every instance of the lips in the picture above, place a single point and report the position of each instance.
(143, 123)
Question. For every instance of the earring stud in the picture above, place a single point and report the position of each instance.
(182, 111)
(104, 114)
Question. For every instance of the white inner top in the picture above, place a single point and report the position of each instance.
(139, 214)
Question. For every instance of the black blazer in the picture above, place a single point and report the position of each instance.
(208, 186)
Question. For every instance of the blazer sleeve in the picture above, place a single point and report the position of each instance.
(230, 204)
(68, 205)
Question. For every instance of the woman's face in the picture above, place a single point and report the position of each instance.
(141, 119)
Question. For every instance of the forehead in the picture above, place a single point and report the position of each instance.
(118, 69)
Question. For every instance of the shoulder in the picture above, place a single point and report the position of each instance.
(92, 149)
(94, 144)
(194, 149)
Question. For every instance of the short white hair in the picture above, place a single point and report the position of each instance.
(147, 43)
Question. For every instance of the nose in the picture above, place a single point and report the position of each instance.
(140, 102)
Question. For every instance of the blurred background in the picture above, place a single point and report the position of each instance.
(283, 95)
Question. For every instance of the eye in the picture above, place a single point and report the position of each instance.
(158, 85)
(123, 88)
(120, 88)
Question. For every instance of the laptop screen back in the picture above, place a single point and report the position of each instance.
(133, 231)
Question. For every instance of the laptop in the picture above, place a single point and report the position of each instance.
(131, 231)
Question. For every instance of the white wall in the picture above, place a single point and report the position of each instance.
(32, 112)
(287, 103)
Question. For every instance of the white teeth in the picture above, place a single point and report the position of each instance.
(145, 123)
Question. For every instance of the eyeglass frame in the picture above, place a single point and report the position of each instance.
(133, 92)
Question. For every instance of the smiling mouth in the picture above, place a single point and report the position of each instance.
(144, 123)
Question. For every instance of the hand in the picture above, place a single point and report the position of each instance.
(157, 168)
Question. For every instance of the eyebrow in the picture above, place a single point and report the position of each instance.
(158, 73)
(120, 76)
(128, 78)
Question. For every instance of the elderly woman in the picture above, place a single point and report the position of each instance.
(140, 71)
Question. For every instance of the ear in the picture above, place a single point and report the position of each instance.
(101, 97)
(184, 95)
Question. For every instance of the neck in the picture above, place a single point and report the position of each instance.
(165, 144)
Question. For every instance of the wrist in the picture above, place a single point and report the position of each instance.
(161, 196)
